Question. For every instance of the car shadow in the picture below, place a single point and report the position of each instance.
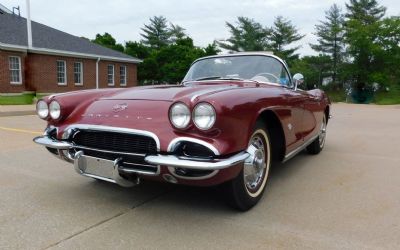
(189, 197)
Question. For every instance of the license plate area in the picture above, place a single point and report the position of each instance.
(103, 169)
(96, 166)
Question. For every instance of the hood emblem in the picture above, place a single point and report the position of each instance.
(119, 107)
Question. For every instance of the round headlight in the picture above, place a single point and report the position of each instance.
(55, 110)
(179, 115)
(204, 116)
(42, 109)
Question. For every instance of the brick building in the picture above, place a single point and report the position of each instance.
(56, 61)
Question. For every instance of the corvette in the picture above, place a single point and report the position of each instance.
(225, 124)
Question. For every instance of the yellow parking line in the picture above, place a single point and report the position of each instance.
(21, 130)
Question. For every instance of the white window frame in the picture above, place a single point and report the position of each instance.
(123, 83)
(65, 73)
(80, 74)
(113, 75)
(19, 70)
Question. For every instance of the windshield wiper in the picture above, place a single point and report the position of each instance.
(208, 78)
(220, 78)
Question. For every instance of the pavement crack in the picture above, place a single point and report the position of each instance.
(108, 219)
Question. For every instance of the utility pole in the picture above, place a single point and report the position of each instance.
(28, 23)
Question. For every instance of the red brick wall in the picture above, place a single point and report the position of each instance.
(43, 73)
(5, 86)
(131, 69)
(39, 73)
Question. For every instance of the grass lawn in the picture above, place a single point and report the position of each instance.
(336, 95)
(25, 98)
(386, 98)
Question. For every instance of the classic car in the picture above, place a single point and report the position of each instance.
(225, 123)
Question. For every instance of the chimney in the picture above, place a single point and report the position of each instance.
(28, 23)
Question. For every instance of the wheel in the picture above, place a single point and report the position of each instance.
(247, 188)
(318, 144)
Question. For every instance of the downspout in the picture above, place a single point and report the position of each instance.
(97, 73)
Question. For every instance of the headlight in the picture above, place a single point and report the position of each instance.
(42, 109)
(179, 115)
(204, 116)
(55, 110)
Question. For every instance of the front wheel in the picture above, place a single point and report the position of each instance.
(247, 188)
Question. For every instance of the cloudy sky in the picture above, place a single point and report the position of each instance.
(204, 20)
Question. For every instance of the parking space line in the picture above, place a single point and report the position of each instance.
(21, 131)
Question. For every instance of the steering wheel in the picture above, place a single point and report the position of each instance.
(270, 77)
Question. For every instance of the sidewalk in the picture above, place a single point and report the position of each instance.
(17, 110)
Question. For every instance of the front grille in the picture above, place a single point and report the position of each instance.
(118, 142)
(129, 149)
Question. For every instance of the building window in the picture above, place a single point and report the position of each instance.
(15, 69)
(61, 73)
(122, 75)
(78, 73)
(110, 75)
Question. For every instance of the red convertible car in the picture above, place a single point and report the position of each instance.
(229, 119)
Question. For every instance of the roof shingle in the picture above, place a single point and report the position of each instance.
(13, 31)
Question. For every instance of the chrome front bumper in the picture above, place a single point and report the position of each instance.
(160, 159)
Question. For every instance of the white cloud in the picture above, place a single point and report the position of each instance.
(204, 20)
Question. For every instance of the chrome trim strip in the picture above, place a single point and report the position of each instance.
(255, 53)
(115, 129)
(290, 155)
(175, 142)
(215, 164)
(137, 171)
(108, 151)
(52, 143)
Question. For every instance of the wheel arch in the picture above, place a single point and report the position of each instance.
(327, 113)
(276, 133)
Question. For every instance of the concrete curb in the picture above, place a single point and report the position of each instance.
(17, 113)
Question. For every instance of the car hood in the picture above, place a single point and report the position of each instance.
(175, 92)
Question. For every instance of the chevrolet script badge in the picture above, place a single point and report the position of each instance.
(119, 107)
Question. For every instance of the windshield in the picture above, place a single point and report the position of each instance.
(245, 67)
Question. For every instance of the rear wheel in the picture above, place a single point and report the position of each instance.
(247, 188)
(318, 144)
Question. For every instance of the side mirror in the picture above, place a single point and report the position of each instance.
(298, 80)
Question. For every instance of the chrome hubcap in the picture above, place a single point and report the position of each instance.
(254, 166)
(322, 133)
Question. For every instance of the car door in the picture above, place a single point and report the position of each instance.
(295, 102)
(309, 117)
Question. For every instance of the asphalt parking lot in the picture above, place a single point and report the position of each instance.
(346, 197)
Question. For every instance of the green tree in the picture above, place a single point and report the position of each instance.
(156, 34)
(176, 32)
(170, 63)
(246, 35)
(330, 35)
(362, 27)
(389, 41)
(283, 34)
(212, 49)
(108, 41)
(314, 69)
(136, 49)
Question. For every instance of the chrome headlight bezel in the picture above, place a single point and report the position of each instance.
(179, 115)
(204, 116)
(55, 110)
(42, 109)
